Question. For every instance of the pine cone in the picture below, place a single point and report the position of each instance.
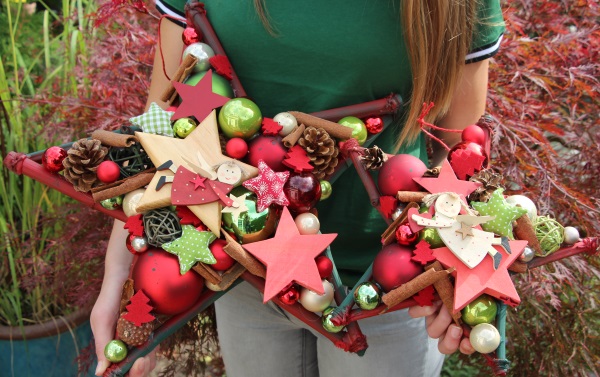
(321, 149)
(81, 163)
(373, 158)
(489, 180)
(131, 334)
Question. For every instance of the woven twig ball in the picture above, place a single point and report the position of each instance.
(549, 233)
(161, 226)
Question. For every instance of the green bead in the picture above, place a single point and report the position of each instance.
(481, 310)
(327, 324)
(115, 351)
(240, 117)
(326, 190)
(112, 203)
(432, 237)
(367, 296)
(359, 130)
(248, 222)
(220, 85)
(183, 127)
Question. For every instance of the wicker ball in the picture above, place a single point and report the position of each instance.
(549, 233)
(131, 160)
(161, 226)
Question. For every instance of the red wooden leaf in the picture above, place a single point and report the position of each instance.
(425, 296)
(270, 127)
(387, 205)
(222, 66)
(423, 253)
(297, 159)
(138, 312)
(135, 225)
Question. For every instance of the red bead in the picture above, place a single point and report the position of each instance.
(393, 266)
(270, 149)
(303, 191)
(374, 125)
(473, 133)
(397, 174)
(405, 236)
(236, 148)
(325, 266)
(52, 159)
(156, 272)
(108, 171)
(224, 261)
(289, 295)
(190, 36)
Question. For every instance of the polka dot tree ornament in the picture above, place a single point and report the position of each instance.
(504, 212)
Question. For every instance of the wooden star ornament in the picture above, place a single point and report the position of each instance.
(199, 100)
(446, 181)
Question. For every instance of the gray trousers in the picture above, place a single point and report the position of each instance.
(261, 340)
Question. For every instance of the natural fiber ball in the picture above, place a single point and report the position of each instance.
(161, 226)
(549, 233)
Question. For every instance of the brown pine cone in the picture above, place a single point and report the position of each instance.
(321, 149)
(373, 158)
(81, 163)
(131, 334)
(489, 180)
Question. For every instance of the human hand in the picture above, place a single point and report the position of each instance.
(438, 322)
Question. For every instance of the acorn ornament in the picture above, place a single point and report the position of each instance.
(131, 334)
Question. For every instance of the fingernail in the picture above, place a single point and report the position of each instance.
(455, 331)
(102, 365)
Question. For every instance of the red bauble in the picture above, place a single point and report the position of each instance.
(405, 236)
(156, 272)
(236, 148)
(108, 171)
(374, 125)
(289, 295)
(393, 266)
(473, 133)
(224, 261)
(190, 36)
(325, 266)
(52, 159)
(269, 149)
(303, 191)
(397, 174)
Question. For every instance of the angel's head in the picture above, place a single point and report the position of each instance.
(230, 173)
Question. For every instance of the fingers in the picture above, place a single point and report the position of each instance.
(103, 326)
(143, 366)
(466, 347)
(450, 340)
(438, 324)
(424, 311)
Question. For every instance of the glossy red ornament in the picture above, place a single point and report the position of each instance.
(374, 125)
(474, 148)
(289, 295)
(190, 36)
(473, 133)
(270, 149)
(108, 171)
(405, 236)
(325, 266)
(224, 261)
(156, 272)
(303, 190)
(52, 159)
(397, 174)
(236, 148)
(393, 266)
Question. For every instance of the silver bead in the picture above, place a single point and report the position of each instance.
(527, 255)
(139, 244)
(203, 52)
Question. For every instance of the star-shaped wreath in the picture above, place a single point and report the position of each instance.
(191, 247)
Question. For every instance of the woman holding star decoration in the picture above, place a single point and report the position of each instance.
(321, 55)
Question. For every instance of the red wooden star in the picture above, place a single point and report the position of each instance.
(447, 182)
(198, 100)
(198, 181)
(472, 283)
(290, 257)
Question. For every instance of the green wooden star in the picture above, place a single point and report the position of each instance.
(504, 212)
(191, 247)
(155, 121)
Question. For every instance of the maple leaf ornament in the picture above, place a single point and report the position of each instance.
(270, 127)
(268, 187)
(297, 159)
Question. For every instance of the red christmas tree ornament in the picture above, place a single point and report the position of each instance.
(187, 217)
(374, 125)
(108, 171)
(222, 66)
(397, 174)
(236, 148)
(393, 266)
(467, 161)
(52, 159)
(224, 261)
(190, 36)
(325, 266)
(289, 295)
(423, 253)
(405, 236)
(270, 127)
(270, 149)
(388, 205)
(425, 296)
(473, 133)
(156, 272)
(297, 159)
(135, 225)
(138, 312)
(303, 191)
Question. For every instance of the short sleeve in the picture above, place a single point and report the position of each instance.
(487, 35)
(172, 8)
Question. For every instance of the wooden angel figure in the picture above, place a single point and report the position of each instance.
(458, 232)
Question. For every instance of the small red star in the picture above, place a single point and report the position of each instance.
(198, 100)
(198, 181)
(290, 257)
(447, 182)
(268, 186)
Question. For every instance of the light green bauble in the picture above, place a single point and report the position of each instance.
(326, 189)
(327, 324)
(240, 117)
(359, 130)
(247, 222)
(432, 237)
(220, 85)
(183, 127)
(115, 351)
(367, 296)
(481, 310)
(112, 203)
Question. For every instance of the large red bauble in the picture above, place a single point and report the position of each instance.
(324, 265)
(108, 171)
(270, 149)
(303, 191)
(224, 261)
(156, 272)
(473, 133)
(52, 159)
(393, 267)
(474, 148)
(236, 148)
(397, 174)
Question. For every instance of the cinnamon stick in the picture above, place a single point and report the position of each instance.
(518, 267)
(231, 275)
(292, 138)
(184, 69)
(524, 230)
(390, 233)
(237, 252)
(445, 290)
(406, 290)
(113, 139)
(207, 273)
(123, 186)
(410, 196)
(335, 130)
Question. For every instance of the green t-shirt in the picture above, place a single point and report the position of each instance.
(331, 53)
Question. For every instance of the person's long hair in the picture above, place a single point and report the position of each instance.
(438, 35)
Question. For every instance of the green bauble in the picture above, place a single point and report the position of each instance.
(432, 237)
(220, 85)
(240, 117)
(481, 310)
(359, 130)
(115, 351)
(326, 190)
(112, 203)
(327, 324)
(247, 222)
(367, 296)
(183, 127)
